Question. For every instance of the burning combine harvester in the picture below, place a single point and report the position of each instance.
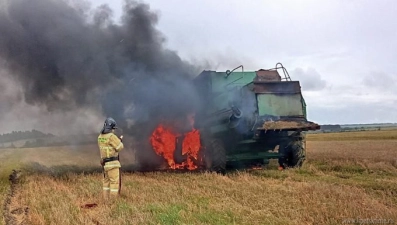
(246, 119)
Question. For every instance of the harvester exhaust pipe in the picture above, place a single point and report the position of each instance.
(234, 119)
(236, 112)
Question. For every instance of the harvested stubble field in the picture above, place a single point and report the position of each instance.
(350, 175)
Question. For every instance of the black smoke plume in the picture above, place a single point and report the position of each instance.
(66, 55)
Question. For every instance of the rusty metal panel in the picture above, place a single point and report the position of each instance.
(284, 87)
(267, 75)
(289, 125)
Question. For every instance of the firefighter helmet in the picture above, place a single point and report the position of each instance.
(109, 125)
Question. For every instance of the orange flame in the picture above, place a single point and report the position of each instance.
(163, 141)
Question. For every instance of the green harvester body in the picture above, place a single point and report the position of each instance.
(251, 113)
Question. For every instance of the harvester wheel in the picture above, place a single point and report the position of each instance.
(216, 156)
(293, 152)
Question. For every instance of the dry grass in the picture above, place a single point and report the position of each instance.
(355, 136)
(241, 198)
(340, 180)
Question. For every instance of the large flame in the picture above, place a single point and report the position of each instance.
(163, 140)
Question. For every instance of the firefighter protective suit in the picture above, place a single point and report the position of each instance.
(110, 146)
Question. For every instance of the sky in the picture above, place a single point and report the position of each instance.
(344, 53)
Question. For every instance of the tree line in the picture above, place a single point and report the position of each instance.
(22, 135)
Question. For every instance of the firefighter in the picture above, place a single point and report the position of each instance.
(109, 146)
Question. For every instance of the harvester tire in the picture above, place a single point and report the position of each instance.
(216, 156)
(298, 155)
(293, 153)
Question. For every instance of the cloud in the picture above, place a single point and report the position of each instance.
(381, 81)
(356, 112)
(310, 79)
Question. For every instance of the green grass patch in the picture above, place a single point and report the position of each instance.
(201, 202)
(167, 214)
(122, 209)
(213, 217)
(346, 167)
(273, 174)
(305, 172)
